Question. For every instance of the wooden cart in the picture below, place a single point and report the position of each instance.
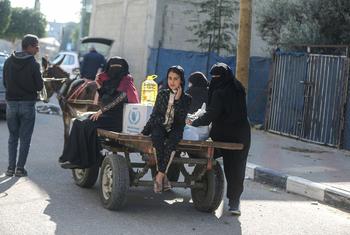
(118, 172)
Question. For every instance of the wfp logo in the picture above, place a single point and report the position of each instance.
(134, 117)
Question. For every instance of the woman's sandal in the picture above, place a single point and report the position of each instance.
(166, 184)
(157, 187)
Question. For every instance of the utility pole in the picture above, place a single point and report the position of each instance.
(243, 46)
(219, 33)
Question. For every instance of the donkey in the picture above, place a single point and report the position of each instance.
(75, 96)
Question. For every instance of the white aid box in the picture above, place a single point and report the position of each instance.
(135, 117)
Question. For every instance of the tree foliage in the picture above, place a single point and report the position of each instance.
(24, 21)
(289, 22)
(5, 14)
(215, 19)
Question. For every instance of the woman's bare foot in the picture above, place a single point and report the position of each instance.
(166, 184)
(158, 182)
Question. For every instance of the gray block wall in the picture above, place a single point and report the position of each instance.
(137, 25)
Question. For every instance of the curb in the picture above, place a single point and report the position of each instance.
(323, 193)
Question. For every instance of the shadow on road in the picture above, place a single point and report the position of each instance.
(6, 183)
(75, 210)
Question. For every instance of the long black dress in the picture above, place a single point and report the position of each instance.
(82, 149)
(227, 111)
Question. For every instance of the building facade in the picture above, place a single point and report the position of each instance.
(137, 25)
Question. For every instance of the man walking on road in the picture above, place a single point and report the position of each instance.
(92, 62)
(22, 80)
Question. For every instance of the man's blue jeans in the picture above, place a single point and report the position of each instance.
(20, 117)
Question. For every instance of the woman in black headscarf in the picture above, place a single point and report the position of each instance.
(198, 90)
(167, 122)
(113, 83)
(115, 88)
(227, 111)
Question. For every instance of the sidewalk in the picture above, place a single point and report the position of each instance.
(312, 170)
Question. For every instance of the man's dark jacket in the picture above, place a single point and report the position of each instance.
(22, 77)
(91, 63)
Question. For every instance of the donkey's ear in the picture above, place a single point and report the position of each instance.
(44, 63)
(60, 61)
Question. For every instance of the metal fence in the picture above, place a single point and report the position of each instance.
(308, 94)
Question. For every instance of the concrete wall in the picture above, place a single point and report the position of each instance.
(174, 21)
(258, 47)
(131, 24)
(176, 35)
(137, 25)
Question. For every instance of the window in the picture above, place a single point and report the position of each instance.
(68, 59)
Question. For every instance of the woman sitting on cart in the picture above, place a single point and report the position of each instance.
(115, 87)
(166, 124)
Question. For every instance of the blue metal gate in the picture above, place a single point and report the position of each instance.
(307, 98)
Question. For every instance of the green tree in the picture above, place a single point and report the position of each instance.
(215, 19)
(334, 20)
(5, 14)
(24, 21)
(286, 22)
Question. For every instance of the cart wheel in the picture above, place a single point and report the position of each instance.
(209, 198)
(85, 178)
(114, 182)
(173, 172)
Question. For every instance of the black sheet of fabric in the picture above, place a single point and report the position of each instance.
(199, 96)
(198, 91)
(82, 148)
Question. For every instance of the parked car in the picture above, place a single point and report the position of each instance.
(3, 57)
(70, 62)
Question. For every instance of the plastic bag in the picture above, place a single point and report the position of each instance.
(196, 133)
(200, 112)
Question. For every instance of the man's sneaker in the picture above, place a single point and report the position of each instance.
(9, 172)
(21, 172)
(234, 208)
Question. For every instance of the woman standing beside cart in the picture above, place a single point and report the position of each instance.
(227, 111)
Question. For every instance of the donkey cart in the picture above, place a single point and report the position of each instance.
(118, 172)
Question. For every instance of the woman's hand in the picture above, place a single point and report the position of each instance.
(96, 115)
(97, 84)
(178, 93)
(189, 122)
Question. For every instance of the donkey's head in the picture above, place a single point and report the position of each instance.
(54, 76)
(53, 70)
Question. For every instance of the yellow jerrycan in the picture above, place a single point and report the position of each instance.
(149, 90)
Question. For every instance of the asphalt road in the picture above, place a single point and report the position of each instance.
(48, 202)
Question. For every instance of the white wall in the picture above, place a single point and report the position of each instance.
(131, 24)
(137, 25)
(175, 35)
